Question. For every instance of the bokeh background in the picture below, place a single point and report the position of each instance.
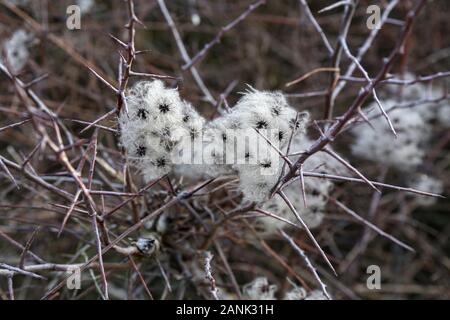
(272, 46)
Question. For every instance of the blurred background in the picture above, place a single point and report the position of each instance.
(275, 44)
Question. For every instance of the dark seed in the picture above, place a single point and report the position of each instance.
(432, 121)
(266, 165)
(161, 162)
(142, 113)
(166, 132)
(168, 147)
(164, 108)
(140, 151)
(294, 124)
(261, 124)
(193, 132)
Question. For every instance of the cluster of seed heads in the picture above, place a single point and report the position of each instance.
(158, 128)
(312, 206)
(404, 152)
(16, 49)
(157, 121)
(261, 289)
(415, 126)
(269, 116)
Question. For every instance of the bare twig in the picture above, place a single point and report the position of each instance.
(184, 54)
(221, 33)
(365, 46)
(370, 225)
(349, 166)
(308, 263)
(336, 128)
(316, 25)
(308, 232)
(27, 247)
(209, 276)
(307, 75)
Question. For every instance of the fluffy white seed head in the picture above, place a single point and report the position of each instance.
(16, 49)
(189, 153)
(316, 295)
(417, 92)
(192, 121)
(444, 115)
(156, 166)
(224, 294)
(425, 183)
(160, 130)
(271, 115)
(153, 127)
(264, 110)
(260, 289)
(297, 293)
(316, 192)
(152, 102)
(404, 152)
(219, 145)
(256, 180)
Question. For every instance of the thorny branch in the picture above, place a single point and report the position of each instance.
(103, 207)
